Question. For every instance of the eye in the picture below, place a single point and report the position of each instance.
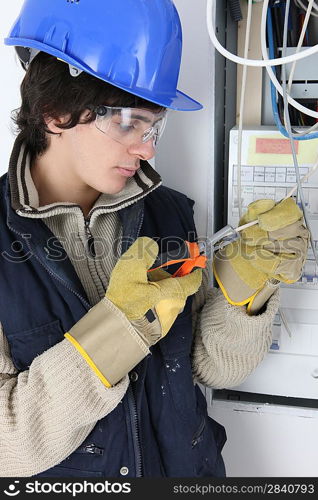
(125, 128)
(130, 126)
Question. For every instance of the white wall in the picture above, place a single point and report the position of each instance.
(185, 155)
(11, 74)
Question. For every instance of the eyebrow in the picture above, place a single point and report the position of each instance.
(146, 120)
(142, 118)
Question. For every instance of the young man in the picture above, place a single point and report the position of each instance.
(99, 358)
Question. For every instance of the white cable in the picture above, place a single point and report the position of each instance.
(272, 76)
(291, 139)
(311, 4)
(291, 192)
(302, 6)
(266, 61)
(303, 179)
(285, 322)
(308, 130)
(300, 42)
(252, 62)
(299, 133)
(241, 112)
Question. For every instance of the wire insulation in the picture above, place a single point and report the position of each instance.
(299, 136)
(265, 62)
(252, 62)
(291, 139)
(242, 103)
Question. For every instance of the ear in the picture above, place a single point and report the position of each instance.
(52, 123)
(86, 114)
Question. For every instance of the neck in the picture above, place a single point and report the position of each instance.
(55, 182)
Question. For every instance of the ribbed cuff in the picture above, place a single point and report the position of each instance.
(229, 343)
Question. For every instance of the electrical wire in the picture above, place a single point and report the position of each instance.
(273, 78)
(286, 99)
(281, 89)
(242, 102)
(291, 139)
(303, 179)
(285, 322)
(299, 136)
(265, 62)
(311, 4)
(290, 193)
(300, 41)
(302, 6)
(295, 160)
(252, 62)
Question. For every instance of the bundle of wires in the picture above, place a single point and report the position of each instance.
(301, 5)
(290, 134)
(298, 135)
(265, 62)
(277, 105)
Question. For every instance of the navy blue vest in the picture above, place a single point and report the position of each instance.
(161, 427)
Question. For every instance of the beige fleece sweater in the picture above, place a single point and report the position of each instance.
(48, 410)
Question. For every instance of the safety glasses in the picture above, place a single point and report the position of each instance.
(130, 126)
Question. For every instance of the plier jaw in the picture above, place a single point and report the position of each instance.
(181, 261)
(192, 255)
(224, 237)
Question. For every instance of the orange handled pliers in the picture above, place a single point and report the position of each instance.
(188, 256)
(192, 255)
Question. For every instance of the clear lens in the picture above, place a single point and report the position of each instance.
(130, 126)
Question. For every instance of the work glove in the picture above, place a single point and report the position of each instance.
(135, 291)
(272, 251)
(139, 309)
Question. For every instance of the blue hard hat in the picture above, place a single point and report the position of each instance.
(135, 45)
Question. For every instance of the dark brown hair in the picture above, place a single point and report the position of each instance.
(49, 90)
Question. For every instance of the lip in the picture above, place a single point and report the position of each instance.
(127, 172)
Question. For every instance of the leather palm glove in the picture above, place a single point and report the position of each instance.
(272, 251)
(136, 292)
(138, 310)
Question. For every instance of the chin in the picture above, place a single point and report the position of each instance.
(112, 189)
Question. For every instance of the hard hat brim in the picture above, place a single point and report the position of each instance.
(178, 101)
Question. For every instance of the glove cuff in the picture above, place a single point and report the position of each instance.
(108, 342)
(235, 290)
(148, 327)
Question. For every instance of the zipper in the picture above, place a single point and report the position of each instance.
(135, 430)
(55, 276)
(198, 435)
(133, 410)
(140, 224)
(90, 239)
(91, 449)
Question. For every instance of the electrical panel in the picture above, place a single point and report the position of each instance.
(267, 171)
(304, 88)
(269, 404)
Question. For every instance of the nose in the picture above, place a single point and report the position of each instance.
(144, 151)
